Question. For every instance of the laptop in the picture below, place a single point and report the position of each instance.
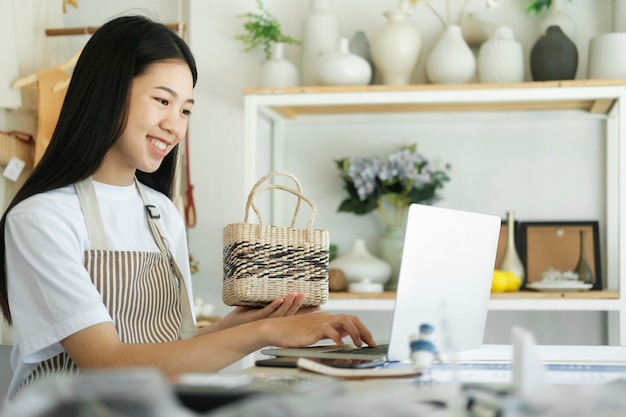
(445, 278)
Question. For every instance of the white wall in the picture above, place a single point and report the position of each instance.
(216, 131)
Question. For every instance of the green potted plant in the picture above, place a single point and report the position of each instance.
(537, 6)
(262, 29)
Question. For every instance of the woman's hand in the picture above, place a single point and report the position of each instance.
(281, 307)
(311, 328)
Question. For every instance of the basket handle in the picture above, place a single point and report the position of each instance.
(309, 226)
(255, 190)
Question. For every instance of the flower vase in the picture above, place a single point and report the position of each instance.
(343, 68)
(278, 72)
(553, 57)
(511, 261)
(364, 272)
(320, 35)
(451, 61)
(396, 48)
(582, 266)
(391, 252)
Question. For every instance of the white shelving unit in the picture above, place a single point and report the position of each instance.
(604, 99)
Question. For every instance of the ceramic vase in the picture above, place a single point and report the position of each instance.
(501, 58)
(511, 261)
(343, 68)
(582, 266)
(364, 271)
(553, 57)
(558, 16)
(607, 56)
(391, 247)
(396, 47)
(320, 35)
(278, 72)
(451, 60)
(360, 45)
(476, 30)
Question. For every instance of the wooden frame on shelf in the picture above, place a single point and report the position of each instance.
(556, 245)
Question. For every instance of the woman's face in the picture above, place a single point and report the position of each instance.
(160, 105)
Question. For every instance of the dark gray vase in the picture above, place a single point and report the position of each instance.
(553, 57)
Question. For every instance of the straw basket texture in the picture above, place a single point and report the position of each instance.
(262, 263)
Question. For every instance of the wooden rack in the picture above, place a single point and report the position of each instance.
(90, 30)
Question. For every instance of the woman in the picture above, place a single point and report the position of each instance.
(86, 276)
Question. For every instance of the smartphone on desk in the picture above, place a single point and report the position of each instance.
(292, 362)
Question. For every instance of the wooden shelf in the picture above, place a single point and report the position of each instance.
(591, 105)
(387, 295)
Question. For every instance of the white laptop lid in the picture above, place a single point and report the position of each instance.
(445, 278)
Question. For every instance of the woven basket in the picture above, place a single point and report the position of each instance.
(263, 263)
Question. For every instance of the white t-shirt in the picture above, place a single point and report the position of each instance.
(50, 291)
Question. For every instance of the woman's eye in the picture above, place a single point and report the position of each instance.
(162, 101)
(186, 112)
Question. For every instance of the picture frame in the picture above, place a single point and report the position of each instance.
(556, 245)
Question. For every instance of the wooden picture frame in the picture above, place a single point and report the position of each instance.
(556, 245)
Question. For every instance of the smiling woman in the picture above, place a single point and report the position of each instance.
(91, 244)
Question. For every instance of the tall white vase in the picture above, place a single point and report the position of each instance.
(396, 48)
(278, 72)
(501, 58)
(320, 35)
(558, 16)
(451, 61)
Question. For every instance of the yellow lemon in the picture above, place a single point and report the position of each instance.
(513, 281)
(500, 282)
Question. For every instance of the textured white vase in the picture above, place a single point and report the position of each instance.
(501, 58)
(278, 72)
(364, 271)
(451, 60)
(396, 47)
(607, 56)
(320, 34)
(343, 68)
(558, 16)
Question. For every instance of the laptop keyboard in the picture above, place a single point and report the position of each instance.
(380, 350)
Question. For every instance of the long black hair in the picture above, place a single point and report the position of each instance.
(95, 109)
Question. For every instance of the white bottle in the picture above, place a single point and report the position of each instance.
(320, 35)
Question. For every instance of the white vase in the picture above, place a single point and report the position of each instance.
(320, 34)
(364, 271)
(343, 68)
(558, 16)
(607, 56)
(510, 260)
(451, 60)
(501, 58)
(278, 72)
(476, 30)
(396, 48)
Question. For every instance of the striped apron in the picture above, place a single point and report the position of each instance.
(144, 292)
